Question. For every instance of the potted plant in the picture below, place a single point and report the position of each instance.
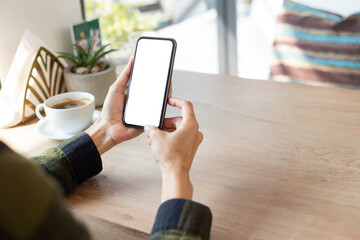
(89, 72)
(118, 20)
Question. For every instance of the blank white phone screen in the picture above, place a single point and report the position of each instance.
(148, 82)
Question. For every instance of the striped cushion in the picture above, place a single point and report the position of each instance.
(316, 47)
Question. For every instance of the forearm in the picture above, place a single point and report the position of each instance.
(178, 216)
(176, 185)
(100, 137)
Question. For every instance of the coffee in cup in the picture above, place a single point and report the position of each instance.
(70, 103)
(69, 112)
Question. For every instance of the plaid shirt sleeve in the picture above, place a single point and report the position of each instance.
(72, 161)
(182, 219)
(31, 205)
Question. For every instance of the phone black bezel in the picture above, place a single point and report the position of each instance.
(168, 81)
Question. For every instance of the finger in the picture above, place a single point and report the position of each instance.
(154, 134)
(186, 107)
(147, 130)
(170, 91)
(150, 130)
(124, 76)
(169, 130)
(172, 123)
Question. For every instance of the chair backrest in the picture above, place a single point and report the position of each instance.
(45, 79)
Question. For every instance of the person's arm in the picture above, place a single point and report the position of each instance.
(72, 161)
(78, 159)
(31, 205)
(174, 149)
(182, 219)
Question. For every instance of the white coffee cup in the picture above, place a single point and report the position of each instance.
(69, 120)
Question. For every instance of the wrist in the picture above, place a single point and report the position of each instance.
(100, 137)
(176, 185)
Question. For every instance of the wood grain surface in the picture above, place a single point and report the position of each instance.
(278, 161)
(105, 230)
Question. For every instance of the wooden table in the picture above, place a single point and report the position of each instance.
(278, 161)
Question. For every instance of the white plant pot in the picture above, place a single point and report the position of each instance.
(97, 84)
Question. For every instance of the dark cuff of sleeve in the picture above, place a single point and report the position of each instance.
(3, 146)
(184, 215)
(83, 156)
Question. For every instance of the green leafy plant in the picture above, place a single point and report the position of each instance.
(87, 61)
(118, 20)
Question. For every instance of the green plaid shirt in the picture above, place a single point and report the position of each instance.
(31, 205)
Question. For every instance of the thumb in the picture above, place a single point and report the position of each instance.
(124, 77)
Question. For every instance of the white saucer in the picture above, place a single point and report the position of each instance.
(47, 130)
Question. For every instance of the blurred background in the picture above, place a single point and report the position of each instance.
(232, 37)
(236, 41)
(226, 36)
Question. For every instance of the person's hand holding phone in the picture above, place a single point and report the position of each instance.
(109, 129)
(174, 147)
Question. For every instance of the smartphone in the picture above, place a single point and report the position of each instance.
(149, 82)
